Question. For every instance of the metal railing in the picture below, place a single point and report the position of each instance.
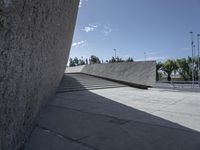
(182, 84)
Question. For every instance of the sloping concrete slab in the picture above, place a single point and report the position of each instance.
(140, 74)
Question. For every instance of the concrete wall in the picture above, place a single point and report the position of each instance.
(138, 73)
(76, 69)
(35, 39)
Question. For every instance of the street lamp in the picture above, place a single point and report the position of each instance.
(194, 60)
(192, 45)
(145, 56)
(198, 69)
(115, 52)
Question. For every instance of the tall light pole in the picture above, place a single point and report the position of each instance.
(145, 56)
(198, 69)
(192, 45)
(194, 60)
(115, 52)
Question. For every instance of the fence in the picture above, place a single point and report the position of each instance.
(181, 84)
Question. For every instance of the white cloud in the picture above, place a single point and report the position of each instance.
(90, 28)
(79, 44)
(107, 30)
(94, 25)
(81, 3)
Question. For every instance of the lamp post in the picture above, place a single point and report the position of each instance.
(198, 69)
(194, 62)
(145, 56)
(115, 52)
(192, 45)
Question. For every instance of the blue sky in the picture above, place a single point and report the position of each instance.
(159, 28)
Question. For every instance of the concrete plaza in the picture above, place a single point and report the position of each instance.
(89, 113)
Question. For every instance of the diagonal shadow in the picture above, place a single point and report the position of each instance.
(80, 119)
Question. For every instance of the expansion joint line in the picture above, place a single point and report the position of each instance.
(124, 121)
(54, 133)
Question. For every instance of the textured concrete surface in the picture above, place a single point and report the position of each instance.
(116, 117)
(138, 73)
(35, 38)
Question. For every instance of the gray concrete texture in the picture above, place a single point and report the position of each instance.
(35, 39)
(116, 117)
(139, 73)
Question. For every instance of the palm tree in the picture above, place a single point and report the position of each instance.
(168, 67)
(94, 60)
(130, 59)
(183, 68)
(159, 65)
(71, 62)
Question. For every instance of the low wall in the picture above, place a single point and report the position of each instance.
(139, 74)
(77, 69)
(35, 39)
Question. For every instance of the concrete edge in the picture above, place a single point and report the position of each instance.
(118, 81)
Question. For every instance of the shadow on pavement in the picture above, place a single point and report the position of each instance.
(82, 120)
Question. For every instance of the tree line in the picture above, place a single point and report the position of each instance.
(95, 60)
(183, 67)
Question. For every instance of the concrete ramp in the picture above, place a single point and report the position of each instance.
(138, 74)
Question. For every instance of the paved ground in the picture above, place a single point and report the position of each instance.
(88, 113)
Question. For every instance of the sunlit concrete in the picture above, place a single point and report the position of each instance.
(174, 105)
